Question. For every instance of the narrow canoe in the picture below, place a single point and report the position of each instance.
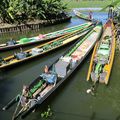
(42, 49)
(103, 56)
(46, 83)
(41, 38)
(81, 15)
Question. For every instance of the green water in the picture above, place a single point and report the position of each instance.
(70, 101)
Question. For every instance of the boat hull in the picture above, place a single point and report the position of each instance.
(69, 61)
(52, 35)
(63, 80)
(65, 42)
(105, 63)
(81, 15)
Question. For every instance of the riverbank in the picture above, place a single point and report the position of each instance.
(32, 25)
(86, 3)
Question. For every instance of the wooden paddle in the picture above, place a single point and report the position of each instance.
(13, 117)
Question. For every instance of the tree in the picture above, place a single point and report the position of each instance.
(20, 11)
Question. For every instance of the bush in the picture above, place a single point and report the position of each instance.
(20, 11)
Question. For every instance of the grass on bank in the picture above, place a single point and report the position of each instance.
(86, 3)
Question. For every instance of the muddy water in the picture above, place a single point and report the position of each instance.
(70, 101)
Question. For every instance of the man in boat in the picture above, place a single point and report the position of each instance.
(90, 15)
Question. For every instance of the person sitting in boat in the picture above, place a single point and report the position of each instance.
(49, 76)
(25, 91)
(25, 95)
(46, 70)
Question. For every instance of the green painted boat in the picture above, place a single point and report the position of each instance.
(103, 56)
(44, 48)
(41, 38)
(54, 75)
(81, 15)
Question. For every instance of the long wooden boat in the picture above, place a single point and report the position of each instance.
(42, 49)
(41, 38)
(81, 15)
(53, 76)
(103, 56)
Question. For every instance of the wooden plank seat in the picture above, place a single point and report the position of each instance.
(46, 90)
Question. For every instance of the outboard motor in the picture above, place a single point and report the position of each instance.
(20, 55)
(11, 42)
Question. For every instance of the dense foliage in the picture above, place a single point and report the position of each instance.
(19, 11)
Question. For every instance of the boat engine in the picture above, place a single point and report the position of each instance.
(11, 42)
(20, 55)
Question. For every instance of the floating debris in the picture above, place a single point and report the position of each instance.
(47, 113)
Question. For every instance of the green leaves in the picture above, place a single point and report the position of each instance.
(113, 4)
(48, 113)
(18, 11)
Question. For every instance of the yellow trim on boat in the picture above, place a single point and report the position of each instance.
(108, 67)
(91, 62)
(111, 57)
(14, 61)
(70, 39)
